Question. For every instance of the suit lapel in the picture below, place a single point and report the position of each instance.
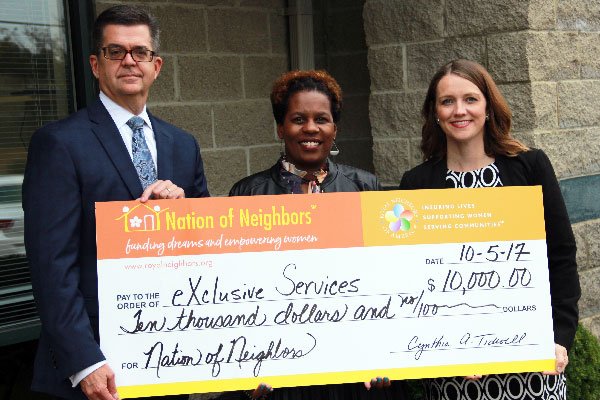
(107, 133)
(164, 149)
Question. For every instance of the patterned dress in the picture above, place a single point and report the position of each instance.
(522, 386)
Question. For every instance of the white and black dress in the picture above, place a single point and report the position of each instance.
(523, 386)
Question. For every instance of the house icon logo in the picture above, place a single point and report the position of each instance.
(141, 218)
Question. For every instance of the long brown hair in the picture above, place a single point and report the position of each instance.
(497, 138)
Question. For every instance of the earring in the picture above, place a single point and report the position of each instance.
(334, 149)
(281, 149)
(437, 120)
(487, 116)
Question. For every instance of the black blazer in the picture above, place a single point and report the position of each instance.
(527, 169)
(71, 164)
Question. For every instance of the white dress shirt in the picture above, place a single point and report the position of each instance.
(120, 116)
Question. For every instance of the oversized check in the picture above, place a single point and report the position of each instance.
(216, 294)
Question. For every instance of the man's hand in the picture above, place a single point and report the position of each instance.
(562, 359)
(162, 190)
(100, 384)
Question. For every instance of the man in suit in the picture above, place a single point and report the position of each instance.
(113, 150)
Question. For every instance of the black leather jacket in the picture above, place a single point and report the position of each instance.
(341, 178)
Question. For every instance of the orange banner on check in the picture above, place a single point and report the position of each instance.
(332, 220)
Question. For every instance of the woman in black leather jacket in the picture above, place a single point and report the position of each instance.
(306, 107)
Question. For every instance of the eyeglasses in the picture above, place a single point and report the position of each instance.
(119, 53)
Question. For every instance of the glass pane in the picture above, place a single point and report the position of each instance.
(35, 89)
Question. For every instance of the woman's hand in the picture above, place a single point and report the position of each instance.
(162, 190)
(473, 377)
(261, 391)
(378, 383)
(562, 359)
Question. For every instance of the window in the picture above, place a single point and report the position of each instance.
(35, 89)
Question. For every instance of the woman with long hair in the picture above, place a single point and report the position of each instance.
(466, 143)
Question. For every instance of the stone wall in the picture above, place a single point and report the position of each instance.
(340, 49)
(220, 59)
(544, 56)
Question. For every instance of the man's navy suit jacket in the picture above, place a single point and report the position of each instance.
(72, 164)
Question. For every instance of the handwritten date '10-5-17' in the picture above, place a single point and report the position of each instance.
(494, 253)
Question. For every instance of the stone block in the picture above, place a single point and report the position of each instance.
(590, 291)
(345, 31)
(279, 34)
(195, 119)
(396, 114)
(357, 153)
(210, 78)
(535, 56)
(490, 16)
(527, 138)
(507, 57)
(223, 168)
(474, 17)
(552, 56)
(578, 103)
(399, 21)
(238, 31)
(579, 15)
(263, 157)
(243, 123)
(260, 74)
(572, 152)
(386, 66)
(544, 96)
(351, 72)
(424, 59)
(587, 235)
(416, 155)
(391, 159)
(533, 105)
(592, 324)
(542, 14)
(163, 88)
(182, 29)
(589, 48)
(519, 99)
(355, 118)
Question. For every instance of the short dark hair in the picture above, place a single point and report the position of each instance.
(128, 16)
(497, 138)
(299, 81)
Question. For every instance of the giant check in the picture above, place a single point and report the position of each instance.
(215, 294)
